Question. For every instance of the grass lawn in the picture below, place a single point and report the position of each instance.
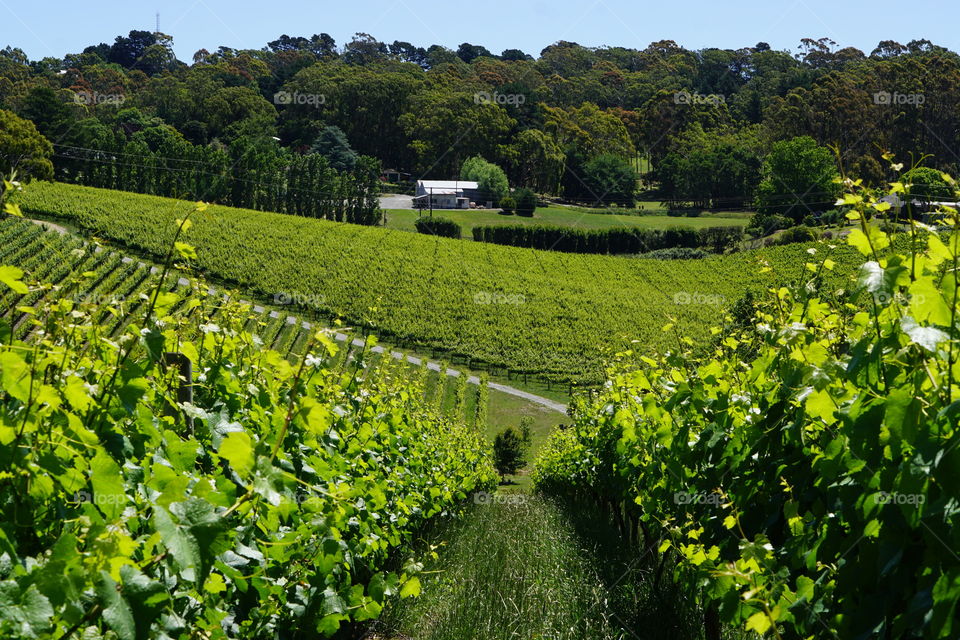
(564, 217)
(504, 410)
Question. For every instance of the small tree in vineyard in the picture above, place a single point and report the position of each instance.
(510, 449)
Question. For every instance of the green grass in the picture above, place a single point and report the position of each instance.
(503, 411)
(511, 569)
(526, 566)
(582, 218)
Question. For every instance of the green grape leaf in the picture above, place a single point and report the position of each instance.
(178, 541)
(11, 276)
(329, 625)
(109, 494)
(758, 622)
(927, 337)
(15, 376)
(237, 448)
(116, 611)
(410, 588)
(30, 611)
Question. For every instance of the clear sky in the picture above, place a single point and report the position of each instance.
(45, 28)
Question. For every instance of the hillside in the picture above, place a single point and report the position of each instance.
(546, 313)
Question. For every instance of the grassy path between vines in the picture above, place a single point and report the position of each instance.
(512, 568)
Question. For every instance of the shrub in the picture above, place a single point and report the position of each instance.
(508, 204)
(720, 239)
(490, 178)
(526, 202)
(510, 449)
(443, 227)
(799, 233)
(763, 224)
(927, 183)
(832, 217)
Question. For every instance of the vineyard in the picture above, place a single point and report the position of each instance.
(273, 500)
(523, 311)
(115, 280)
(802, 478)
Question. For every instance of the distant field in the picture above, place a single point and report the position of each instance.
(562, 217)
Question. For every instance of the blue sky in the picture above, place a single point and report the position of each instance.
(43, 28)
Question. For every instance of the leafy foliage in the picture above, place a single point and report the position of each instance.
(510, 450)
(268, 504)
(23, 150)
(609, 241)
(437, 226)
(490, 178)
(799, 179)
(807, 491)
(526, 202)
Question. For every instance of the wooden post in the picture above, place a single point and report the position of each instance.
(185, 374)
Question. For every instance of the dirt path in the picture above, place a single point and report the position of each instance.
(50, 226)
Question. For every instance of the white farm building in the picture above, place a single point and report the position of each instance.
(446, 194)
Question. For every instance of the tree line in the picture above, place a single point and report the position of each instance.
(574, 121)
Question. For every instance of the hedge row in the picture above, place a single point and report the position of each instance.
(438, 227)
(612, 241)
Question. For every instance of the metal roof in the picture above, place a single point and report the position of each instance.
(447, 184)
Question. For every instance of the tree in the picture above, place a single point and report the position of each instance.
(470, 52)
(332, 144)
(364, 49)
(526, 202)
(711, 168)
(491, 179)
(928, 183)
(444, 126)
(23, 149)
(539, 161)
(47, 110)
(515, 55)
(510, 449)
(798, 179)
(127, 51)
(406, 52)
(320, 45)
(610, 179)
